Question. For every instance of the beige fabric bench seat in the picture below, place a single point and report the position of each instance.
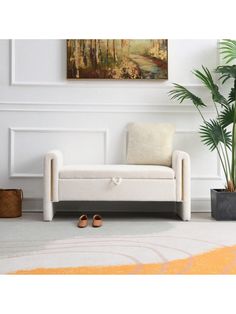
(117, 183)
(116, 171)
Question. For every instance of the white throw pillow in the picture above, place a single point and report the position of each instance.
(150, 143)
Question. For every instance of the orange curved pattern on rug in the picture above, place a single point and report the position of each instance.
(219, 261)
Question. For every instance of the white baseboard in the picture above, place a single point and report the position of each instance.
(201, 206)
(32, 205)
(36, 205)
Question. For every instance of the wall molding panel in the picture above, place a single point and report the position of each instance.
(218, 176)
(13, 131)
(104, 132)
(99, 108)
(165, 84)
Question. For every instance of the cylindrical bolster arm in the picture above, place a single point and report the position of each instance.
(53, 161)
(181, 166)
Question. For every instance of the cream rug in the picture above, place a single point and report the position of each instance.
(124, 245)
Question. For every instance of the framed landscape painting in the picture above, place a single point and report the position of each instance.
(117, 59)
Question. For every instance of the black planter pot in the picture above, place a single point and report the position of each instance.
(223, 204)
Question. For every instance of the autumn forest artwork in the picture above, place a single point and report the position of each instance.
(117, 59)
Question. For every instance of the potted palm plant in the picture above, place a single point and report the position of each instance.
(218, 133)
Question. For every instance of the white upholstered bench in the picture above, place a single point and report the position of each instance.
(117, 183)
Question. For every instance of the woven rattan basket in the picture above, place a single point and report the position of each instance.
(10, 203)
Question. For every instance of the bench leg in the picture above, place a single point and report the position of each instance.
(184, 211)
(48, 211)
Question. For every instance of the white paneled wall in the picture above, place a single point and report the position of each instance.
(41, 110)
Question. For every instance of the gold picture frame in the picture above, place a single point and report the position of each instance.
(117, 59)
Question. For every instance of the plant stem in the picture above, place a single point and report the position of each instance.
(225, 154)
(217, 111)
(204, 120)
(218, 151)
(222, 164)
(227, 168)
(234, 146)
(234, 142)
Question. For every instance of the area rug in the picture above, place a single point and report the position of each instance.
(219, 261)
(124, 245)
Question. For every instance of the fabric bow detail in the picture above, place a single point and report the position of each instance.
(116, 180)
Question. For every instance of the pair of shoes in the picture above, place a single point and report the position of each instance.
(83, 221)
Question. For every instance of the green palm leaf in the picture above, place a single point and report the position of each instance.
(232, 95)
(227, 72)
(228, 49)
(181, 93)
(227, 116)
(206, 78)
(212, 133)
